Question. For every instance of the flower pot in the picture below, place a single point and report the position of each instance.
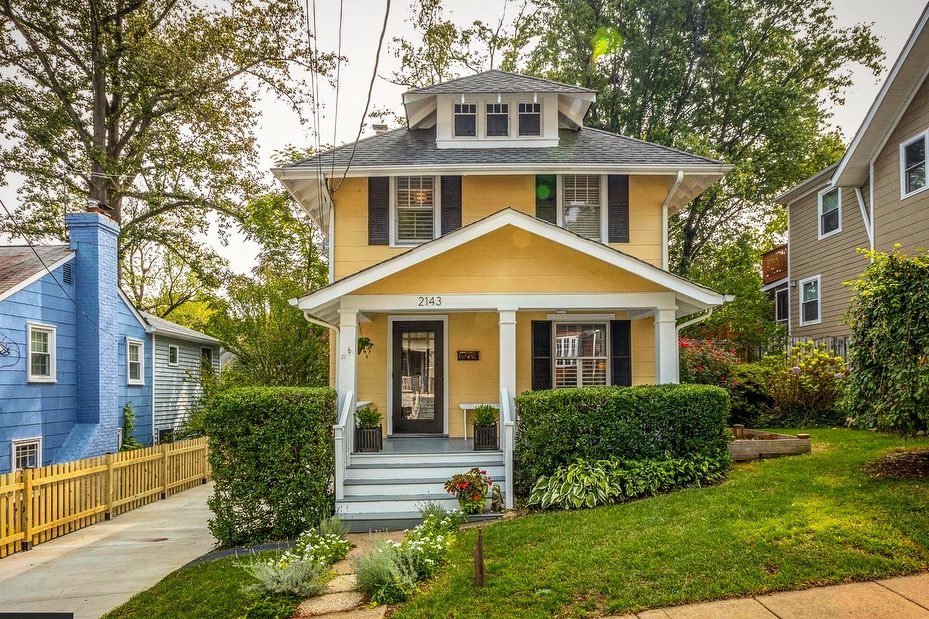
(485, 438)
(368, 439)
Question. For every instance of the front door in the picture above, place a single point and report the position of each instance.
(418, 405)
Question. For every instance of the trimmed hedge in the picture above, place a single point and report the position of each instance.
(654, 422)
(271, 454)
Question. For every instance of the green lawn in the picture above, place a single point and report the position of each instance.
(776, 524)
(210, 590)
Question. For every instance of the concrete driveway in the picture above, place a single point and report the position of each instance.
(91, 571)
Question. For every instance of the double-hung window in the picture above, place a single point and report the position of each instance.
(830, 212)
(781, 305)
(913, 165)
(498, 119)
(465, 119)
(581, 204)
(809, 300)
(27, 453)
(42, 353)
(580, 354)
(415, 209)
(174, 354)
(530, 119)
(134, 362)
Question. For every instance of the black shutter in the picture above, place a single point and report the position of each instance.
(378, 210)
(618, 204)
(541, 355)
(621, 352)
(545, 199)
(451, 203)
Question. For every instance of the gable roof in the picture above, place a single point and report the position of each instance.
(495, 81)
(162, 326)
(21, 266)
(320, 302)
(807, 185)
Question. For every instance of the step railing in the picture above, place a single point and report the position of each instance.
(344, 434)
(508, 438)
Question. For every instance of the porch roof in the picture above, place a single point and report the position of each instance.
(691, 297)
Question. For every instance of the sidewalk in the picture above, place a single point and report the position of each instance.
(900, 598)
(91, 571)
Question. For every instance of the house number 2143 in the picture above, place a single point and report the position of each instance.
(430, 301)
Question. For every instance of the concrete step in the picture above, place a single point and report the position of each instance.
(403, 486)
(430, 470)
(388, 503)
(461, 458)
(397, 521)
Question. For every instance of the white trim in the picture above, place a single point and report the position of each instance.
(154, 385)
(420, 253)
(392, 210)
(52, 331)
(864, 215)
(924, 136)
(579, 317)
(665, 206)
(390, 364)
(496, 169)
(774, 285)
(36, 277)
(819, 212)
(17, 442)
(177, 357)
(785, 290)
(212, 355)
(604, 197)
(608, 338)
(871, 203)
(130, 342)
(525, 302)
(135, 311)
(819, 300)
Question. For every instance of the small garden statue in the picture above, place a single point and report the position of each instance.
(496, 500)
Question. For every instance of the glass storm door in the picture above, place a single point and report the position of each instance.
(418, 405)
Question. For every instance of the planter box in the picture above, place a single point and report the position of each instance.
(368, 439)
(485, 438)
(755, 445)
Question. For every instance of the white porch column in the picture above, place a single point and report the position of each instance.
(506, 424)
(508, 352)
(346, 354)
(666, 347)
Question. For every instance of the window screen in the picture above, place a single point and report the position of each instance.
(415, 209)
(581, 205)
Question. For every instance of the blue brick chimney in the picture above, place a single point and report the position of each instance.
(93, 237)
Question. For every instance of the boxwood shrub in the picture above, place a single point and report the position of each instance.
(271, 454)
(654, 422)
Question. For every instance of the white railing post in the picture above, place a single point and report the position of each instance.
(342, 434)
(509, 442)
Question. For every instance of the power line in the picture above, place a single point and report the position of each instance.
(377, 59)
(338, 84)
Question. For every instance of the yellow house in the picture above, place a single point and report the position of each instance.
(494, 246)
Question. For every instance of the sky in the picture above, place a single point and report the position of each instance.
(278, 126)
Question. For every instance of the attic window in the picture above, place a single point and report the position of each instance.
(530, 119)
(465, 120)
(498, 119)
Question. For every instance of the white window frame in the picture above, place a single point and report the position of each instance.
(19, 442)
(819, 300)
(541, 120)
(583, 320)
(819, 212)
(177, 355)
(924, 136)
(52, 331)
(476, 122)
(559, 205)
(436, 216)
(130, 342)
(786, 291)
(509, 119)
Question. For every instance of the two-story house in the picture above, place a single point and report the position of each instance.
(494, 246)
(874, 198)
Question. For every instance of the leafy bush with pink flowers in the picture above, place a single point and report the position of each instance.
(705, 363)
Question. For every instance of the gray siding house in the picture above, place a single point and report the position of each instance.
(179, 355)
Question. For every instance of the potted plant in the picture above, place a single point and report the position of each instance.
(485, 428)
(368, 429)
(470, 489)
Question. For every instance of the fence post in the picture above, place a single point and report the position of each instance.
(27, 508)
(109, 486)
(164, 470)
(205, 461)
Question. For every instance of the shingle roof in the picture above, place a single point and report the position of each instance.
(497, 81)
(19, 262)
(162, 325)
(405, 147)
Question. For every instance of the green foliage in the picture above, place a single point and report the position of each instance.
(380, 578)
(272, 461)
(470, 489)
(272, 607)
(889, 388)
(130, 442)
(806, 390)
(368, 417)
(704, 362)
(750, 391)
(485, 416)
(315, 546)
(603, 482)
(287, 577)
(333, 525)
(557, 427)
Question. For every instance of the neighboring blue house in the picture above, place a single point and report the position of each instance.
(73, 350)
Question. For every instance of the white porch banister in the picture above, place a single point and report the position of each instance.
(344, 435)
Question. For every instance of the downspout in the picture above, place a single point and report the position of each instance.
(664, 217)
(693, 321)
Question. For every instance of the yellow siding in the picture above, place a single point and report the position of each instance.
(482, 196)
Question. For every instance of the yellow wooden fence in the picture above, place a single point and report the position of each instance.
(37, 505)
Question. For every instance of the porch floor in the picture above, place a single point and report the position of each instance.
(426, 445)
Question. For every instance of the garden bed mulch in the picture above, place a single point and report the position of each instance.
(901, 464)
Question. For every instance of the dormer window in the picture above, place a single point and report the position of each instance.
(530, 119)
(498, 119)
(465, 120)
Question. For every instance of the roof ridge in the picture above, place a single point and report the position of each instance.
(656, 144)
(501, 71)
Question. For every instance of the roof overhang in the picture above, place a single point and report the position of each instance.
(323, 304)
(905, 78)
(818, 180)
(46, 270)
(310, 188)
